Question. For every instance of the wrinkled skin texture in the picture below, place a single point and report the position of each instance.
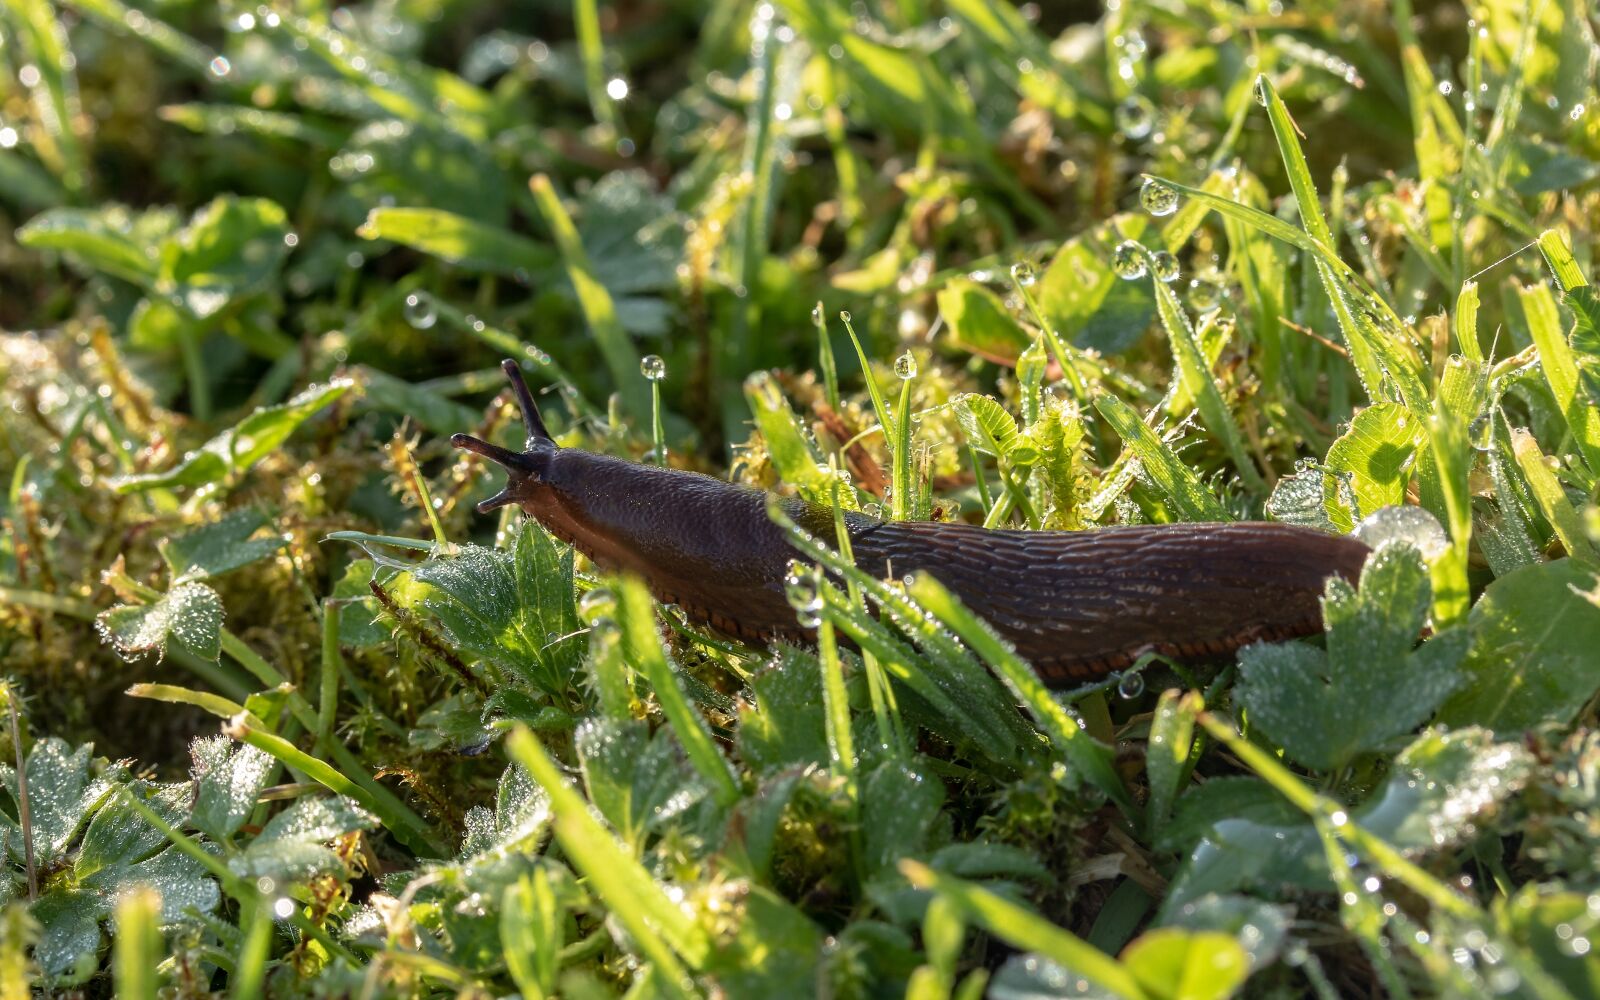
(1076, 604)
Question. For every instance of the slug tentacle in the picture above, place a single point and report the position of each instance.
(1076, 604)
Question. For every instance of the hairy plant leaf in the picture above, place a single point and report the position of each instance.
(228, 778)
(293, 844)
(241, 446)
(1376, 452)
(1370, 686)
(189, 614)
(219, 547)
(978, 322)
(513, 609)
(986, 424)
(1535, 633)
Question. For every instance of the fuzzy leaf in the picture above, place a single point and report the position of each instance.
(986, 424)
(228, 779)
(219, 547)
(513, 609)
(241, 446)
(231, 247)
(1326, 708)
(293, 843)
(1535, 633)
(189, 614)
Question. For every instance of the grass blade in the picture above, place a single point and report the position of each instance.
(1176, 481)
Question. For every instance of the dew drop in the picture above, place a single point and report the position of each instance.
(1260, 90)
(1128, 260)
(1158, 197)
(1131, 685)
(1022, 273)
(1404, 525)
(652, 367)
(420, 311)
(1136, 116)
(1481, 432)
(1205, 294)
(905, 367)
(817, 315)
(1165, 266)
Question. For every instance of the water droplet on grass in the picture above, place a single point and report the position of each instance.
(1405, 525)
(1128, 260)
(1158, 197)
(420, 311)
(652, 367)
(1022, 273)
(905, 367)
(1136, 116)
(1130, 686)
(1165, 266)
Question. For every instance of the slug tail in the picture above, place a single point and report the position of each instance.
(531, 421)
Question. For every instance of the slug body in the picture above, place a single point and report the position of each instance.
(1076, 604)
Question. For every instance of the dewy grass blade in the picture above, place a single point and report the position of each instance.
(1551, 497)
(1027, 931)
(1464, 322)
(642, 643)
(622, 359)
(1560, 369)
(1196, 377)
(1176, 481)
(660, 928)
(1091, 758)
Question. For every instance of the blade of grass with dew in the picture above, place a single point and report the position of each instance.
(1027, 931)
(1195, 374)
(1464, 322)
(1551, 497)
(412, 833)
(642, 643)
(158, 34)
(660, 928)
(1556, 360)
(591, 48)
(1176, 482)
(1091, 758)
(1375, 348)
(137, 947)
(956, 672)
(599, 311)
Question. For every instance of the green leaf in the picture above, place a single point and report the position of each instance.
(1376, 452)
(1560, 367)
(519, 820)
(637, 781)
(62, 794)
(231, 247)
(1082, 297)
(512, 609)
(782, 726)
(189, 614)
(459, 239)
(790, 450)
(241, 446)
(70, 938)
(100, 239)
(394, 162)
(219, 547)
(899, 807)
(293, 844)
(1175, 964)
(979, 322)
(1327, 708)
(1534, 636)
(986, 424)
(228, 779)
(1442, 787)
(118, 836)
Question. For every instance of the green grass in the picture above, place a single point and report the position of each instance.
(284, 716)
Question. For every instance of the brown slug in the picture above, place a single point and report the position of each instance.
(1076, 604)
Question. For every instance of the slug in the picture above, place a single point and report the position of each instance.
(1076, 604)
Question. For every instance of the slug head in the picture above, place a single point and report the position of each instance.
(525, 470)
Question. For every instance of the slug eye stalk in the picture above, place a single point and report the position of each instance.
(521, 467)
